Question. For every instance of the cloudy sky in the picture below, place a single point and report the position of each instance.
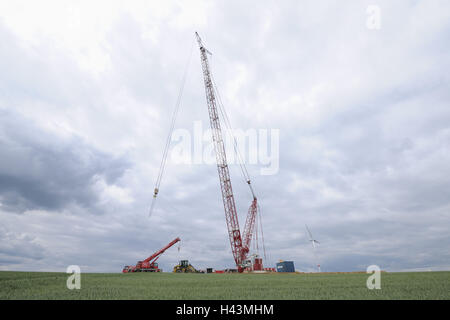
(87, 90)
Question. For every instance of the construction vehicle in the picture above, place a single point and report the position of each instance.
(149, 264)
(184, 267)
(240, 245)
(253, 263)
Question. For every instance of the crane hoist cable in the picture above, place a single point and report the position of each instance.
(242, 166)
(229, 127)
(262, 231)
(169, 136)
(227, 122)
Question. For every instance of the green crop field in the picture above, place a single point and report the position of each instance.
(43, 285)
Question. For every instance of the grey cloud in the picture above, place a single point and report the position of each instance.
(39, 170)
(18, 248)
(39, 74)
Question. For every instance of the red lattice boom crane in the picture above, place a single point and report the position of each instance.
(240, 245)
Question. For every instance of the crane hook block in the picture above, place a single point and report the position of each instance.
(156, 192)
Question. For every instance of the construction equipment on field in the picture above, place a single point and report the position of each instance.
(149, 264)
(240, 245)
(184, 267)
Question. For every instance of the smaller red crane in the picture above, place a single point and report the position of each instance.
(149, 264)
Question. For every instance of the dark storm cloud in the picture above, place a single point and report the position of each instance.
(39, 170)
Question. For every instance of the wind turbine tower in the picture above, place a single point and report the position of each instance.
(314, 243)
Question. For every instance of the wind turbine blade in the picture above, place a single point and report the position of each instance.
(309, 232)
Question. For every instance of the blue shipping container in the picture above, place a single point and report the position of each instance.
(285, 266)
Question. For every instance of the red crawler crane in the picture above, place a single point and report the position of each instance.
(239, 248)
(149, 264)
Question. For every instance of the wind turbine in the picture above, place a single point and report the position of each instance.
(314, 242)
